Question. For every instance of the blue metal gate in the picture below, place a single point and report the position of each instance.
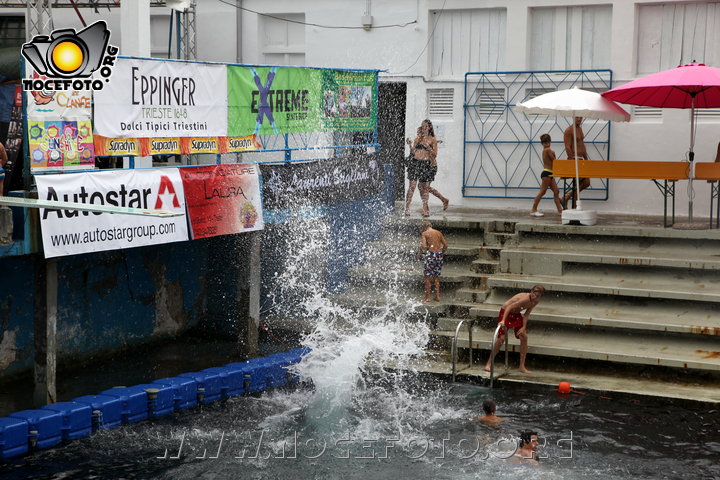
(502, 151)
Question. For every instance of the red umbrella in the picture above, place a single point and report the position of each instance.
(692, 86)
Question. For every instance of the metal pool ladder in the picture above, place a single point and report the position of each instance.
(453, 351)
(492, 359)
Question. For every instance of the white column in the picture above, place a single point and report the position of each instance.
(135, 28)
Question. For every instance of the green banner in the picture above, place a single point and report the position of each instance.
(275, 100)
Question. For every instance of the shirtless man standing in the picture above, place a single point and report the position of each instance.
(510, 317)
(434, 246)
(581, 152)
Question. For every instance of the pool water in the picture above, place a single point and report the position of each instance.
(420, 428)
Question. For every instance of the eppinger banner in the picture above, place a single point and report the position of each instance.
(223, 199)
(154, 98)
(70, 232)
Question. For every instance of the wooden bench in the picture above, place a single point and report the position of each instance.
(711, 173)
(667, 172)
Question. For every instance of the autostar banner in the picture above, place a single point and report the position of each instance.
(222, 199)
(273, 100)
(154, 98)
(70, 232)
(322, 182)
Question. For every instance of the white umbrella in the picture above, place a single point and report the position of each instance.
(574, 102)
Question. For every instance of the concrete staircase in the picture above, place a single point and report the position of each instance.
(640, 301)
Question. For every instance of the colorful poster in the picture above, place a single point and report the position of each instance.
(61, 144)
(349, 100)
(160, 146)
(71, 232)
(276, 100)
(160, 99)
(239, 144)
(223, 199)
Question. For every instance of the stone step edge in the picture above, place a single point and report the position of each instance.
(556, 285)
(537, 348)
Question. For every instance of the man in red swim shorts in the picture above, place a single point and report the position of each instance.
(510, 317)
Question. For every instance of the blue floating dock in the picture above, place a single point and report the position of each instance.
(134, 403)
(50, 425)
(44, 427)
(209, 385)
(161, 398)
(106, 410)
(76, 419)
(184, 391)
(13, 437)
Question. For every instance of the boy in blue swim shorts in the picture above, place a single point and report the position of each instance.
(434, 246)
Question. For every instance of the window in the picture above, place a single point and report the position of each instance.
(646, 113)
(468, 41)
(708, 113)
(440, 102)
(283, 41)
(570, 38)
(160, 37)
(12, 31)
(536, 92)
(674, 34)
(488, 103)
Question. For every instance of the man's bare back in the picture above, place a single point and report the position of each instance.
(521, 301)
(433, 240)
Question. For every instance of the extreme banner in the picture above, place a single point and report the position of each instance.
(277, 100)
(70, 232)
(151, 98)
(222, 199)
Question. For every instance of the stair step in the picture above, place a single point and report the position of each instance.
(633, 284)
(601, 380)
(699, 353)
(662, 316)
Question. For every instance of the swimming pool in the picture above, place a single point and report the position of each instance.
(420, 428)
(355, 419)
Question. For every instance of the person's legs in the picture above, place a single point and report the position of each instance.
(495, 350)
(410, 193)
(437, 287)
(439, 195)
(556, 195)
(543, 188)
(424, 195)
(427, 289)
(523, 351)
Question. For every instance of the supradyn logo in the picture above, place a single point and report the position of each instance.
(67, 59)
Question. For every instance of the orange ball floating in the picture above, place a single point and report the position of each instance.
(564, 387)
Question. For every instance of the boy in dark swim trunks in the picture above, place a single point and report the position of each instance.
(546, 178)
(510, 317)
(434, 246)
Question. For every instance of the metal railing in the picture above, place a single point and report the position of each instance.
(453, 351)
(492, 357)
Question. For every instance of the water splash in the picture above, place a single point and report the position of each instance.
(350, 345)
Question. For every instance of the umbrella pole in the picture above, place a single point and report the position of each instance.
(577, 175)
(691, 158)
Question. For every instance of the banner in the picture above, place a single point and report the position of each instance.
(61, 144)
(322, 182)
(116, 146)
(154, 98)
(71, 232)
(59, 129)
(277, 100)
(222, 199)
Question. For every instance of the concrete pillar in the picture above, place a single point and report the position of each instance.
(135, 28)
(45, 332)
(249, 344)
